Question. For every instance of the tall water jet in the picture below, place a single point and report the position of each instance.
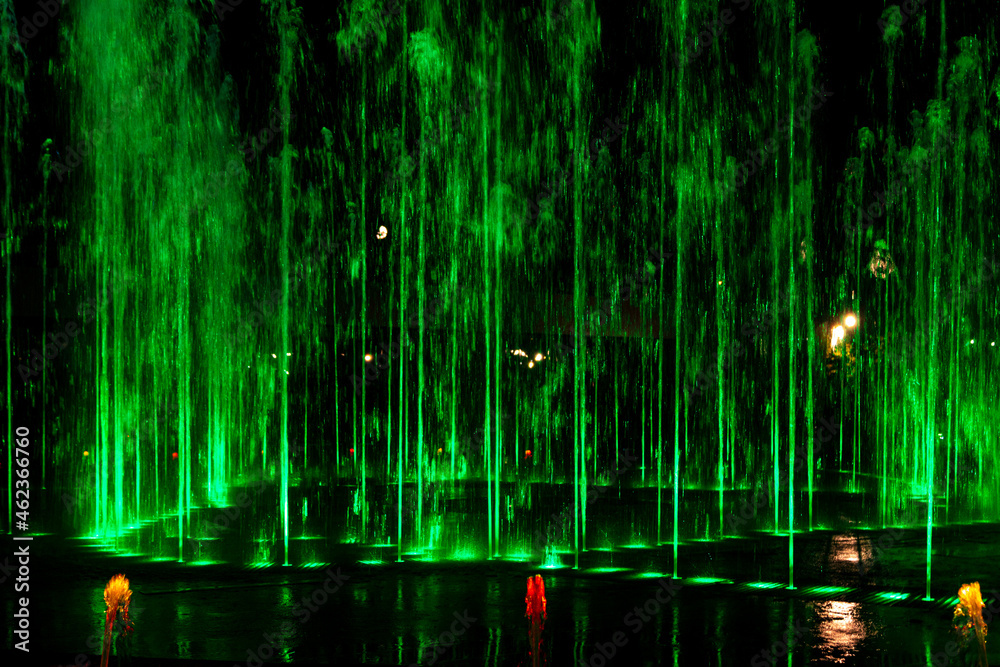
(14, 108)
(161, 324)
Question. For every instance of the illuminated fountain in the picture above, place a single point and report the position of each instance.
(429, 300)
(968, 618)
(116, 599)
(535, 612)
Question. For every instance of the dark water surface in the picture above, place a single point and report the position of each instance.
(388, 613)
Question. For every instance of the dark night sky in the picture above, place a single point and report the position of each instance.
(851, 63)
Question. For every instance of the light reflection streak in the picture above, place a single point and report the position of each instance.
(838, 630)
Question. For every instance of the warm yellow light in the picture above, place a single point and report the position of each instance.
(531, 364)
(836, 335)
(274, 355)
(368, 357)
(850, 321)
(382, 232)
(538, 356)
(968, 619)
(116, 599)
(288, 354)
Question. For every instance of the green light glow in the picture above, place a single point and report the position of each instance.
(892, 597)
(605, 570)
(826, 590)
(360, 396)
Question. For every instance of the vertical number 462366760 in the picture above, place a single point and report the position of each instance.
(21, 460)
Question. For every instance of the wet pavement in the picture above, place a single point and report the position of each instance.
(397, 614)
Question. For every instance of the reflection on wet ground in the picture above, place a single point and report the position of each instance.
(474, 613)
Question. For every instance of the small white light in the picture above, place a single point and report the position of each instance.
(368, 357)
(531, 364)
(538, 356)
(972, 342)
(382, 232)
(274, 355)
(850, 321)
(288, 354)
(837, 335)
